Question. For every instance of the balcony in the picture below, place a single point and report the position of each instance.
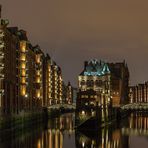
(1, 34)
(2, 45)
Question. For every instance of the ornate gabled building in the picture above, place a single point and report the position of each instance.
(102, 85)
(94, 90)
(108, 79)
(95, 78)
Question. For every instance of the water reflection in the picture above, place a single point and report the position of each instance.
(137, 125)
(49, 135)
(121, 135)
(56, 129)
(107, 138)
(60, 133)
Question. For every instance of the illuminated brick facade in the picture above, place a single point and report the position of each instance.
(69, 99)
(138, 93)
(107, 82)
(53, 82)
(95, 78)
(29, 80)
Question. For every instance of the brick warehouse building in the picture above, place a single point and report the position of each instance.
(29, 79)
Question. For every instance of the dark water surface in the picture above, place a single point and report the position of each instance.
(132, 132)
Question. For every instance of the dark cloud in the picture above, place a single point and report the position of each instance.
(76, 30)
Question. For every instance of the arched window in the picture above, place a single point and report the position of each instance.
(82, 82)
(90, 83)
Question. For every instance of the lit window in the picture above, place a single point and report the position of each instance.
(23, 57)
(23, 65)
(38, 80)
(38, 72)
(23, 80)
(91, 96)
(23, 46)
(23, 90)
(38, 94)
(23, 72)
(86, 96)
(38, 58)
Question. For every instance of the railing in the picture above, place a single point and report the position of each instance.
(135, 106)
(66, 106)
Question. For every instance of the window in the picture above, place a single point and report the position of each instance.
(90, 83)
(23, 90)
(82, 82)
(23, 46)
(98, 83)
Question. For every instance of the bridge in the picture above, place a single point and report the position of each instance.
(135, 106)
(131, 106)
(65, 106)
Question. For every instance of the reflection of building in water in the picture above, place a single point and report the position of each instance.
(107, 138)
(54, 136)
(137, 124)
(51, 137)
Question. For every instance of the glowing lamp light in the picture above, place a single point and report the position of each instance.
(83, 112)
(83, 144)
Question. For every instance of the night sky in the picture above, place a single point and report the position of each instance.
(72, 31)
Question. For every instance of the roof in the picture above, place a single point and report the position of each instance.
(95, 68)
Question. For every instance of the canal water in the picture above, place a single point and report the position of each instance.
(131, 132)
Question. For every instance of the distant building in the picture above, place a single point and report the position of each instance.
(68, 93)
(64, 96)
(94, 85)
(55, 80)
(107, 82)
(47, 81)
(69, 98)
(94, 94)
(138, 93)
(119, 83)
(75, 91)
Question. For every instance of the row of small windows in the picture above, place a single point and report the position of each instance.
(97, 82)
(86, 96)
